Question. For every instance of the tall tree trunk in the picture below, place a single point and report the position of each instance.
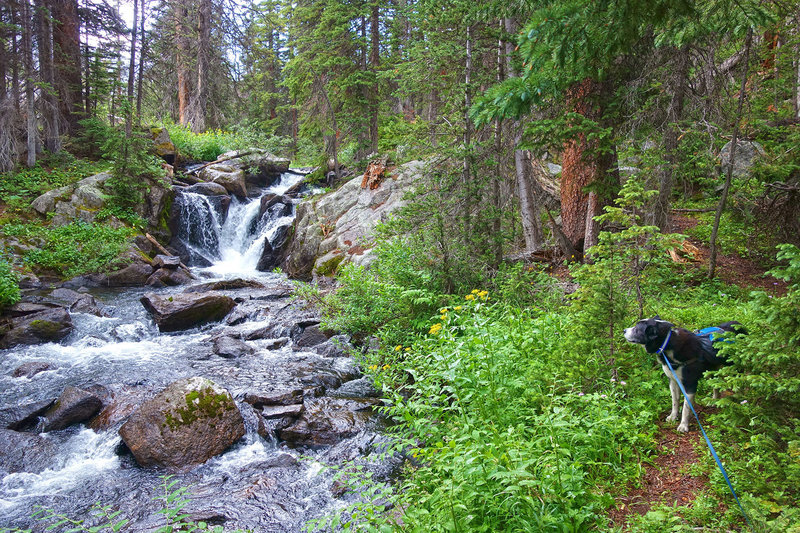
(15, 65)
(49, 104)
(712, 260)
(374, 61)
(497, 241)
(67, 60)
(583, 165)
(142, 54)
(132, 71)
(181, 58)
(30, 81)
(680, 79)
(199, 103)
(529, 206)
(467, 164)
(8, 116)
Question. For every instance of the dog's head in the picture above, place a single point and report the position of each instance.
(650, 332)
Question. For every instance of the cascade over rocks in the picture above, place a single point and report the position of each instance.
(185, 425)
(326, 421)
(25, 416)
(184, 311)
(25, 452)
(337, 228)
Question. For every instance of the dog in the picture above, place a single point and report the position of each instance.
(690, 353)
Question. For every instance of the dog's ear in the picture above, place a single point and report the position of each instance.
(651, 332)
(657, 317)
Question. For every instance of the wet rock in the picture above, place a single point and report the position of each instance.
(51, 325)
(357, 388)
(189, 422)
(28, 308)
(78, 302)
(337, 346)
(260, 166)
(122, 401)
(278, 343)
(273, 252)
(226, 285)
(281, 411)
(166, 261)
(267, 332)
(228, 176)
(327, 421)
(72, 407)
(287, 397)
(134, 274)
(231, 347)
(24, 417)
(168, 277)
(31, 368)
(310, 336)
(25, 452)
(207, 189)
(184, 311)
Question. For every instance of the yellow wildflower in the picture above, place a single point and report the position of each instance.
(443, 310)
(469, 297)
(435, 329)
(475, 291)
(457, 308)
(373, 367)
(408, 349)
(398, 348)
(386, 367)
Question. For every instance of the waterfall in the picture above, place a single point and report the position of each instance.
(229, 243)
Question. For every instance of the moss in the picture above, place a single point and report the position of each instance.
(200, 404)
(329, 267)
(46, 329)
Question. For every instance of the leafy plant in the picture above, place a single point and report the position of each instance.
(9, 288)
(73, 249)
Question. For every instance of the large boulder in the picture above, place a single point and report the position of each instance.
(207, 189)
(24, 416)
(746, 154)
(261, 167)
(274, 248)
(186, 424)
(72, 407)
(228, 176)
(183, 311)
(337, 228)
(50, 325)
(84, 199)
(162, 144)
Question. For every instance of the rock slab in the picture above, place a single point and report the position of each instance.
(72, 407)
(183, 311)
(185, 425)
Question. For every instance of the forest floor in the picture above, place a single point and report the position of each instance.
(668, 479)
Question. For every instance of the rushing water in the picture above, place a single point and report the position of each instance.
(258, 484)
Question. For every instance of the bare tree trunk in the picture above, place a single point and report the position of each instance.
(674, 114)
(67, 60)
(712, 260)
(467, 164)
(374, 60)
(142, 54)
(529, 206)
(199, 102)
(131, 71)
(15, 51)
(181, 56)
(30, 80)
(8, 115)
(51, 119)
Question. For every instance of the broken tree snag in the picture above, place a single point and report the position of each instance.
(374, 173)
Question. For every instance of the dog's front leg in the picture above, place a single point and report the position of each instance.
(684, 425)
(675, 392)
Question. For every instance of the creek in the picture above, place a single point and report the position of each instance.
(260, 483)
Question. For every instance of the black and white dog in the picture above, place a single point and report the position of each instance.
(690, 355)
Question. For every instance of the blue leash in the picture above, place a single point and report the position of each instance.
(703, 431)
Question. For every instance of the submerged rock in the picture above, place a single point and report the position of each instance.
(186, 424)
(25, 452)
(231, 347)
(31, 368)
(187, 310)
(25, 416)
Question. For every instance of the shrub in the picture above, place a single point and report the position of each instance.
(9, 289)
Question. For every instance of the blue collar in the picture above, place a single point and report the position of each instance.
(660, 351)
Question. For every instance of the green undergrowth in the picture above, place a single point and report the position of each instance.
(9, 288)
(521, 408)
(69, 250)
(209, 145)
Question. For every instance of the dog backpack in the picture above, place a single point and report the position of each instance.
(708, 337)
